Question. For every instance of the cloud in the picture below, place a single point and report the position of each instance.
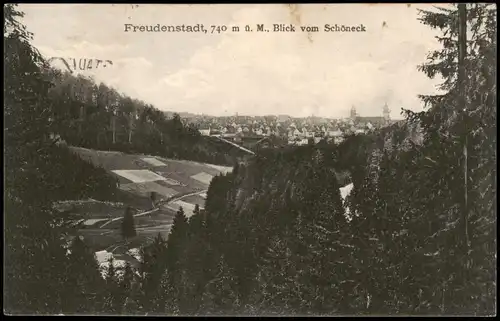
(286, 73)
(258, 72)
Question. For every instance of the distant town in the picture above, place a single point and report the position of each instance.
(293, 131)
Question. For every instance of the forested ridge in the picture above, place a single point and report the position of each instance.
(274, 237)
(96, 116)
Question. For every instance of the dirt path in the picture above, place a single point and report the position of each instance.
(234, 144)
(160, 203)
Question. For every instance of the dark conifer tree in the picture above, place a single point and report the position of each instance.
(35, 266)
(84, 280)
(153, 199)
(196, 210)
(153, 267)
(176, 244)
(220, 296)
(112, 294)
(128, 225)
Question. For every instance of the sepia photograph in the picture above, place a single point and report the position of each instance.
(250, 160)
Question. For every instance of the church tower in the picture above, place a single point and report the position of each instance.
(354, 115)
(387, 114)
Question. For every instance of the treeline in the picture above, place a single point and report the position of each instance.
(274, 237)
(39, 276)
(96, 116)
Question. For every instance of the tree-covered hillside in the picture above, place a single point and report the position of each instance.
(39, 277)
(96, 116)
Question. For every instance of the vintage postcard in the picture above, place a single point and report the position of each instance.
(250, 159)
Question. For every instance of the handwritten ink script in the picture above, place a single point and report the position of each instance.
(73, 64)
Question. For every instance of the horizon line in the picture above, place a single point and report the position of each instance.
(271, 115)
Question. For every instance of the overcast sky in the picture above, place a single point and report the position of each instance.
(298, 74)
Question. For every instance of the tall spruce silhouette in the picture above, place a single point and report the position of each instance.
(38, 173)
(128, 225)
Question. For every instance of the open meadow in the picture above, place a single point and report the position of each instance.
(174, 183)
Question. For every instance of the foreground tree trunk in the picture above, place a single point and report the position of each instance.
(462, 83)
(113, 128)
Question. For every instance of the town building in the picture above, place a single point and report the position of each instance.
(204, 131)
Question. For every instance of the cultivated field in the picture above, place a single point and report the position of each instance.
(175, 183)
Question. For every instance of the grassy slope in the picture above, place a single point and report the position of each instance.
(147, 226)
